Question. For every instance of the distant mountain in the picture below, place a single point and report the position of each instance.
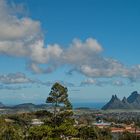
(126, 104)
(132, 102)
(134, 99)
(1, 105)
(114, 103)
(30, 106)
(26, 107)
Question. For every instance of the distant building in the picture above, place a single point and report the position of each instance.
(102, 124)
(9, 120)
(37, 122)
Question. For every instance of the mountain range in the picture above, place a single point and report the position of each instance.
(132, 102)
(25, 107)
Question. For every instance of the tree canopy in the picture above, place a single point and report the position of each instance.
(58, 98)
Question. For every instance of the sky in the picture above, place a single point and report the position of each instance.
(89, 46)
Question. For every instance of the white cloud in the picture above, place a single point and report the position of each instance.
(91, 81)
(23, 37)
(92, 63)
(5, 87)
(17, 81)
(18, 36)
(13, 28)
(14, 78)
(41, 55)
(82, 52)
(37, 69)
(118, 83)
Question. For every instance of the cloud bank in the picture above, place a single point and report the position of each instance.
(91, 81)
(17, 81)
(14, 78)
(22, 37)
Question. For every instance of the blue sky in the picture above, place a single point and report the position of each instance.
(90, 46)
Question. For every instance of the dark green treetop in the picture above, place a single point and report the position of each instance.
(58, 97)
(61, 106)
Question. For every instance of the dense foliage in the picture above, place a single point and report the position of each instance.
(58, 122)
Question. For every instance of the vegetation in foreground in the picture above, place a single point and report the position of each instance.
(57, 123)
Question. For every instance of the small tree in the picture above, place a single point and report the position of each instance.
(40, 132)
(58, 98)
(11, 132)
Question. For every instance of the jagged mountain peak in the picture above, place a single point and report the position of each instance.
(114, 97)
(124, 100)
(115, 102)
(132, 102)
(133, 97)
(134, 93)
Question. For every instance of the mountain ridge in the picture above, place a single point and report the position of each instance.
(132, 102)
